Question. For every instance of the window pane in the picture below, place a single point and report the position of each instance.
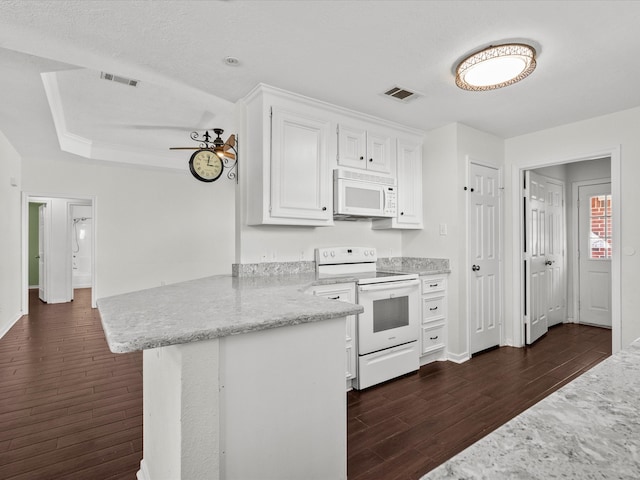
(600, 222)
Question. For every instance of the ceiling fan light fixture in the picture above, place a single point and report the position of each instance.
(496, 67)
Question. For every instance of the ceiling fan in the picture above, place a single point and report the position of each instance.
(217, 145)
(211, 157)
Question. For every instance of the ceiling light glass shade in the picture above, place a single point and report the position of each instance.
(496, 67)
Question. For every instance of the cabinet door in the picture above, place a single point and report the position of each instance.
(300, 180)
(344, 293)
(409, 183)
(352, 147)
(379, 153)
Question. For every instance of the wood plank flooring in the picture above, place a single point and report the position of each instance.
(406, 427)
(71, 409)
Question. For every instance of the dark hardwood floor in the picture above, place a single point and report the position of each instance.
(71, 409)
(404, 428)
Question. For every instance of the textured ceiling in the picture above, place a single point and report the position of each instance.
(342, 52)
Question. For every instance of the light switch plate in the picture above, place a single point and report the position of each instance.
(443, 229)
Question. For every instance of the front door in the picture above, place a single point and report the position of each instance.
(484, 257)
(594, 233)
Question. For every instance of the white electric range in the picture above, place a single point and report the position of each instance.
(389, 328)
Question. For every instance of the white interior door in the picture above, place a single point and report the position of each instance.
(594, 250)
(536, 272)
(484, 257)
(42, 271)
(555, 253)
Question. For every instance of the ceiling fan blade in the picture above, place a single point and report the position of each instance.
(229, 155)
(231, 142)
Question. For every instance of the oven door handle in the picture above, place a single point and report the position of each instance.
(389, 285)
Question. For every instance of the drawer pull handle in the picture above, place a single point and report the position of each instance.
(433, 308)
(433, 338)
(335, 298)
(432, 285)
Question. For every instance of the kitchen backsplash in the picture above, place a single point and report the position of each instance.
(293, 268)
(413, 263)
(272, 268)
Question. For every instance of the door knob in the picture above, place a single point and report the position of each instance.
(548, 262)
(475, 268)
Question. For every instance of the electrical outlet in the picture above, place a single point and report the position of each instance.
(443, 229)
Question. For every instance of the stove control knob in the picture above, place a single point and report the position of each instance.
(366, 253)
(325, 254)
(372, 253)
(333, 254)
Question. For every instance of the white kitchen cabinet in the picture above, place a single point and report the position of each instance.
(345, 292)
(300, 179)
(287, 146)
(360, 147)
(409, 181)
(433, 331)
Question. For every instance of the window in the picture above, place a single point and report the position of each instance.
(600, 221)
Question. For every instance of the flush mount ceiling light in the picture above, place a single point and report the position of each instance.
(496, 67)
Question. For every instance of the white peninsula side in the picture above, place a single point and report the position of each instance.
(241, 380)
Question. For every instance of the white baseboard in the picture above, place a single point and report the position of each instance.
(7, 327)
(143, 473)
(458, 357)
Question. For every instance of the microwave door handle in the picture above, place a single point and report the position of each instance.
(388, 285)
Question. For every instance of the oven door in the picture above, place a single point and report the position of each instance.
(391, 315)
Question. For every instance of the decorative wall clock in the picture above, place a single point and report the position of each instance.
(212, 157)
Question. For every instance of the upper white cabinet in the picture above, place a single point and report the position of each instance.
(300, 180)
(409, 178)
(286, 161)
(360, 147)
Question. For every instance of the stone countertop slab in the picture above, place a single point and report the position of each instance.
(214, 307)
(588, 429)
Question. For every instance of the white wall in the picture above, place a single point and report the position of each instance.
(10, 234)
(266, 243)
(589, 139)
(152, 225)
(446, 156)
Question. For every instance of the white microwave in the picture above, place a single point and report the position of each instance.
(363, 195)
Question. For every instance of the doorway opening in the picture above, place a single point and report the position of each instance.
(597, 168)
(58, 247)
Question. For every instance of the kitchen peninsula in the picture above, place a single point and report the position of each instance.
(243, 377)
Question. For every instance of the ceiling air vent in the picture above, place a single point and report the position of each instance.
(115, 78)
(401, 94)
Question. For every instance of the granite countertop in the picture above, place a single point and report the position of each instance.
(214, 307)
(589, 429)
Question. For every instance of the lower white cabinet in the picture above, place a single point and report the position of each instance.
(433, 332)
(345, 292)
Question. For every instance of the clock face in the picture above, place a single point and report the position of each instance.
(205, 165)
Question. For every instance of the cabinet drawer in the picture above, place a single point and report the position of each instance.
(432, 338)
(433, 285)
(432, 308)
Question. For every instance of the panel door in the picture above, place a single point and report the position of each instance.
(594, 233)
(352, 147)
(536, 310)
(484, 258)
(42, 238)
(300, 186)
(555, 257)
(409, 183)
